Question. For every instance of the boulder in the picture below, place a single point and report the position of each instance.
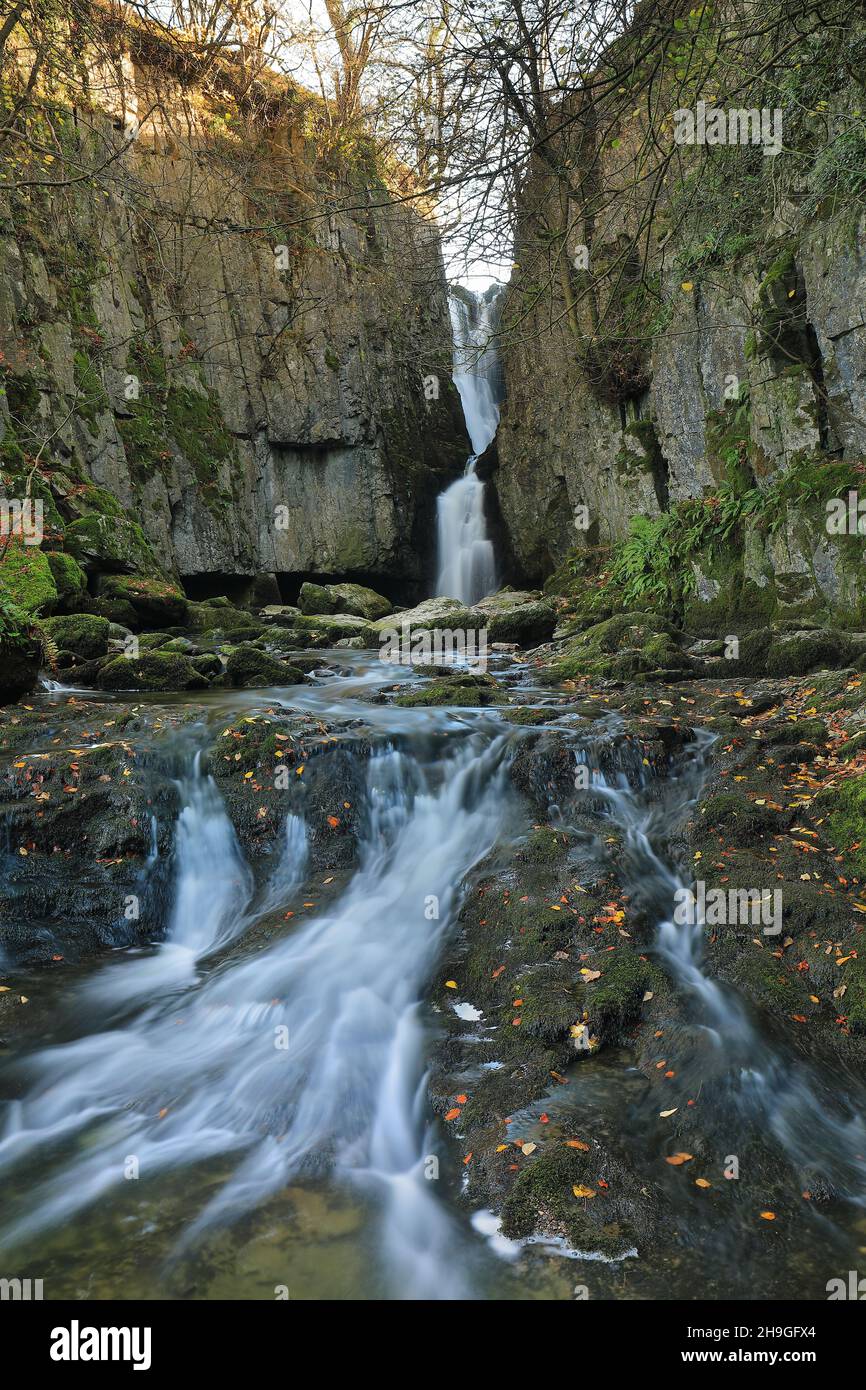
(150, 671)
(249, 666)
(354, 599)
(84, 634)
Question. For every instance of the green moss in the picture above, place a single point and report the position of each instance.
(69, 577)
(156, 600)
(110, 542)
(151, 671)
(250, 667)
(91, 400)
(464, 689)
(26, 578)
(844, 809)
(802, 652)
(614, 1002)
(542, 1198)
(82, 633)
(740, 818)
(195, 421)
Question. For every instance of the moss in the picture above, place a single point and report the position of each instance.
(110, 542)
(152, 671)
(156, 600)
(740, 818)
(542, 1198)
(798, 731)
(622, 647)
(543, 847)
(614, 1002)
(26, 578)
(844, 810)
(91, 400)
(462, 690)
(802, 652)
(248, 666)
(82, 633)
(196, 422)
(69, 577)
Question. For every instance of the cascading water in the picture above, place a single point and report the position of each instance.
(769, 1089)
(467, 568)
(308, 1054)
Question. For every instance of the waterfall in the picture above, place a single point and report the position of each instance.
(306, 1054)
(467, 569)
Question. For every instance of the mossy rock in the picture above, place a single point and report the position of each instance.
(801, 652)
(315, 598)
(20, 652)
(69, 579)
(613, 1003)
(207, 664)
(153, 641)
(26, 577)
(116, 610)
(846, 751)
(248, 667)
(527, 624)
(82, 633)
(150, 671)
(742, 820)
(221, 616)
(796, 731)
(624, 647)
(355, 599)
(156, 601)
(843, 809)
(466, 689)
(542, 1198)
(110, 544)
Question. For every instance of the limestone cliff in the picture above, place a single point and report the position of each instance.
(712, 351)
(227, 353)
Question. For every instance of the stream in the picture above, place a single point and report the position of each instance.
(233, 1111)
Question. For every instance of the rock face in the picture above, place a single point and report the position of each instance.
(239, 353)
(681, 350)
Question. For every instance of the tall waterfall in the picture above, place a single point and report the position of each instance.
(466, 564)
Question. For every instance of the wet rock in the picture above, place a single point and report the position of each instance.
(248, 666)
(81, 633)
(151, 671)
(354, 599)
(460, 688)
(514, 617)
(800, 652)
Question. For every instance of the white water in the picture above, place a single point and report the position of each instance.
(467, 566)
(779, 1095)
(307, 1055)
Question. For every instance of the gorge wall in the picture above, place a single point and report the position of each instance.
(687, 326)
(214, 348)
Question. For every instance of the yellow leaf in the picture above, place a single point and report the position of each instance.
(580, 1191)
(450, 984)
(702, 1182)
(687, 286)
